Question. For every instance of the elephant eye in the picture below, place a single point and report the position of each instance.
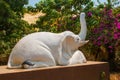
(77, 39)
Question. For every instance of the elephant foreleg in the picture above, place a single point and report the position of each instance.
(77, 57)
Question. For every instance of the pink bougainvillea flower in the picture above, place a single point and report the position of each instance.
(89, 14)
(99, 43)
(110, 47)
(118, 16)
(99, 38)
(115, 36)
(110, 12)
(118, 25)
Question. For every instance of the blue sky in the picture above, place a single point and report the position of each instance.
(102, 1)
(33, 2)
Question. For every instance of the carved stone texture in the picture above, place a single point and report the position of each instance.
(44, 49)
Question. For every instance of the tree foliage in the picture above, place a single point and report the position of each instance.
(12, 28)
(17, 6)
(61, 15)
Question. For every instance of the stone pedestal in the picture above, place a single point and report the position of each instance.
(86, 71)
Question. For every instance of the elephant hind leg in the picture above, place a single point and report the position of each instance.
(41, 58)
(32, 64)
(27, 64)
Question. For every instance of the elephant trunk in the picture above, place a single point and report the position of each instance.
(83, 30)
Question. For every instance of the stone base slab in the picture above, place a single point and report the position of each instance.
(91, 70)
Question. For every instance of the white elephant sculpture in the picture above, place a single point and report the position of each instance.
(44, 49)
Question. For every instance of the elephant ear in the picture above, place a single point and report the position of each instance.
(68, 42)
(65, 52)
